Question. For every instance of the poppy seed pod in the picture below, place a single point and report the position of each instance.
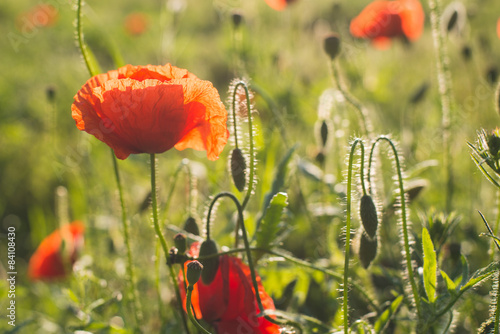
(209, 247)
(194, 271)
(367, 250)
(368, 213)
(180, 243)
(331, 45)
(191, 226)
(238, 169)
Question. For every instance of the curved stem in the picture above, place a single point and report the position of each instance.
(404, 219)
(133, 294)
(348, 232)
(190, 311)
(351, 99)
(91, 67)
(160, 236)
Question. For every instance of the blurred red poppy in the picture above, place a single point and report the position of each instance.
(150, 109)
(228, 303)
(382, 20)
(42, 15)
(498, 28)
(53, 257)
(279, 4)
(136, 24)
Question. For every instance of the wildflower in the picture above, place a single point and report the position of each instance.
(228, 302)
(150, 109)
(498, 28)
(136, 24)
(278, 4)
(382, 20)
(56, 253)
(40, 16)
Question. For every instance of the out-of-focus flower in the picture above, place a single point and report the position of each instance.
(228, 303)
(150, 109)
(381, 21)
(498, 28)
(279, 4)
(136, 24)
(57, 253)
(42, 15)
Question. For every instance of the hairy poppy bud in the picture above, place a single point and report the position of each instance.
(211, 265)
(466, 52)
(172, 256)
(238, 169)
(194, 271)
(237, 18)
(180, 243)
(191, 226)
(368, 213)
(320, 157)
(331, 45)
(367, 250)
(51, 93)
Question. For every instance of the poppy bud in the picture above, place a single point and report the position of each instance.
(322, 133)
(194, 271)
(466, 52)
(320, 157)
(211, 265)
(237, 18)
(238, 169)
(367, 250)
(492, 74)
(368, 213)
(331, 45)
(172, 256)
(191, 226)
(51, 93)
(419, 93)
(180, 243)
(452, 21)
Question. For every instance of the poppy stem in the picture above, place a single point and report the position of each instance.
(190, 311)
(163, 242)
(444, 79)
(351, 99)
(252, 148)
(404, 217)
(348, 228)
(132, 293)
(87, 54)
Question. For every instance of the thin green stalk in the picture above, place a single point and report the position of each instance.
(190, 311)
(90, 62)
(443, 78)
(160, 236)
(133, 293)
(404, 218)
(497, 305)
(345, 283)
(351, 99)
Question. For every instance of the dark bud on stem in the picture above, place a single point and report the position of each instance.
(452, 21)
(494, 145)
(51, 93)
(237, 19)
(180, 243)
(191, 226)
(367, 250)
(492, 75)
(331, 45)
(320, 157)
(238, 169)
(368, 213)
(194, 271)
(211, 265)
(324, 133)
(497, 99)
(466, 52)
(172, 256)
(419, 94)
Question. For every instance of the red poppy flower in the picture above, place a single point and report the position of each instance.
(498, 28)
(52, 258)
(150, 109)
(228, 303)
(42, 15)
(279, 4)
(136, 24)
(382, 20)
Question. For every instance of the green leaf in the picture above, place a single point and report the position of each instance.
(430, 266)
(269, 226)
(481, 274)
(465, 272)
(384, 318)
(450, 285)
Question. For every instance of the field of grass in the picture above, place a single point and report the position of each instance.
(51, 173)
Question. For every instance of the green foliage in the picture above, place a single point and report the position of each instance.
(430, 266)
